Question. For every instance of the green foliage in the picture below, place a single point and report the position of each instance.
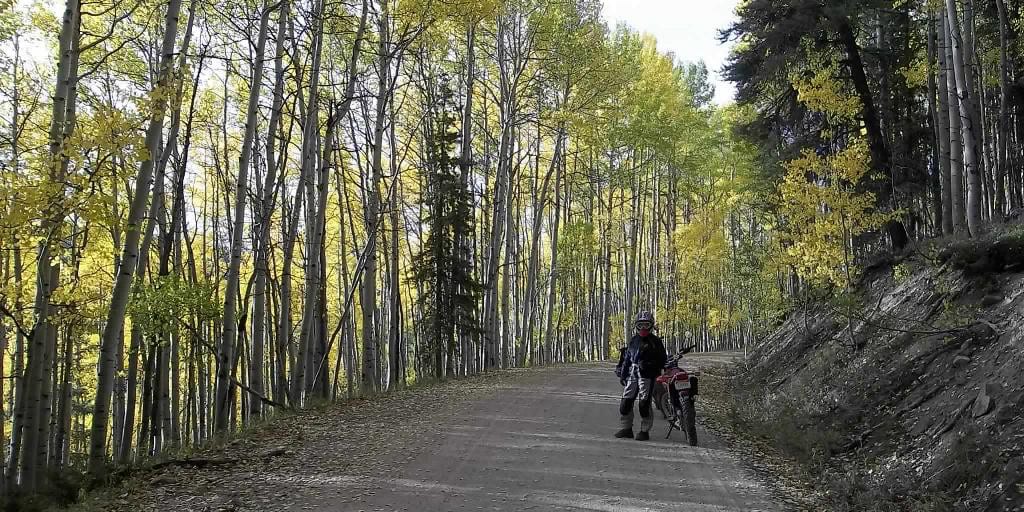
(170, 303)
(577, 245)
(901, 272)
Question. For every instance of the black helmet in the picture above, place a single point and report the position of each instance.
(645, 317)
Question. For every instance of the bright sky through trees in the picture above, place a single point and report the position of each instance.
(687, 28)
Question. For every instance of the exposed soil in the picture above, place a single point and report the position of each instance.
(909, 398)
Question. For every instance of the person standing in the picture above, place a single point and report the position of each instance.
(639, 364)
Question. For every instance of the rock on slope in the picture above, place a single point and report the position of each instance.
(913, 392)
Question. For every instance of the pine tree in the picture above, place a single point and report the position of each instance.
(442, 269)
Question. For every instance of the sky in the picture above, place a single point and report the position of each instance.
(687, 28)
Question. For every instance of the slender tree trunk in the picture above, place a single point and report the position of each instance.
(228, 335)
(18, 386)
(59, 452)
(371, 344)
(462, 241)
(942, 126)
(956, 141)
(16, 405)
(347, 319)
(317, 225)
(130, 255)
(396, 345)
(973, 76)
(1003, 131)
(935, 171)
(509, 268)
(311, 270)
(532, 271)
(553, 278)
(266, 208)
(167, 393)
(629, 255)
(48, 389)
(47, 271)
(491, 331)
(968, 119)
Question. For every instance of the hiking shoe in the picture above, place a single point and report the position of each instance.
(626, 432)
(642, 436)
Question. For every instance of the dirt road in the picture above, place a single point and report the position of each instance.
(520, 440)
(544, 443)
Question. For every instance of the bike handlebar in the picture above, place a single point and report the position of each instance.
(678, 355)
(684, 351)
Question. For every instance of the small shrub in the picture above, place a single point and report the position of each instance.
(901, 272)
(954, 314)
(61, 489)
(65, 486)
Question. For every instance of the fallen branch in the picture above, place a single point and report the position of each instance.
(269, 401)
(234, 381)
(199, 462)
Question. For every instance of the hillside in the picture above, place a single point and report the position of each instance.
(909, 398)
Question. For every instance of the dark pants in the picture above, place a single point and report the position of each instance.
(636, 387)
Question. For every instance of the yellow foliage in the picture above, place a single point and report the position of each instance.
(824, 211)
(916, 73)
(821, 90)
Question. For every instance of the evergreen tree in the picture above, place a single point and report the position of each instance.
(442, 269)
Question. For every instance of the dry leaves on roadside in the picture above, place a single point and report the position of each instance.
(289, 459)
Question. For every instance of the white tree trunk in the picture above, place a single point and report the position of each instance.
(266, 207)
(371, 343)
(110, 341)
(968, 121)
(225, 353)
(310, 141)
(942, 126)
(1002, 155)
(956, 148)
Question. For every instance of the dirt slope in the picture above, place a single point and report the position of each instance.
(912, 395)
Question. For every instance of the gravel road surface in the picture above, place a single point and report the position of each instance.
(544, 442)
(518, 440)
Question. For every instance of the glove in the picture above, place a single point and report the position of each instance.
(622, 381)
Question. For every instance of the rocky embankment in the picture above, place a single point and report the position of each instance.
(907, 396)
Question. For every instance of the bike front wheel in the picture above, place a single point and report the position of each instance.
(664, 403)
(689, 420)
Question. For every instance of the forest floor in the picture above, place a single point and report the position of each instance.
(536, 439)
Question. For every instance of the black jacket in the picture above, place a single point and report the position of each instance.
(647, 352)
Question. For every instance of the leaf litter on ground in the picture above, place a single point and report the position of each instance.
(337, 451)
